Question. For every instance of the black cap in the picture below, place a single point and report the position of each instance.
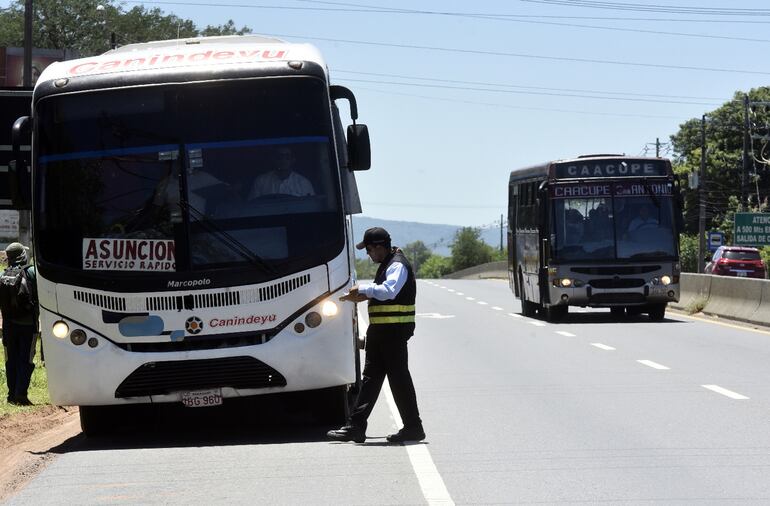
(16, 253)
(374, 235)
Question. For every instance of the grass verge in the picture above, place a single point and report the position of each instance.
(38, 389)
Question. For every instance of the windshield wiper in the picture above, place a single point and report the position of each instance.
(234, 244)
(653, 197)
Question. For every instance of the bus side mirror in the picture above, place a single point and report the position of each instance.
(359, 148)
(18, 169)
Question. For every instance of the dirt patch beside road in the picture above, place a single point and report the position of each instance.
(25, 441)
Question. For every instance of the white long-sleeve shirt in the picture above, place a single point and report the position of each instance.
(395, 279)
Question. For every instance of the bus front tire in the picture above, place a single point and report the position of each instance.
(657, 312)
(97, 420)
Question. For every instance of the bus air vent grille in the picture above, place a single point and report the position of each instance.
(194, 301)
(100, 300)
(159, 378)
(275, 290)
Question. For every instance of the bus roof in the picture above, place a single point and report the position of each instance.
(541, 171)
(185, 53)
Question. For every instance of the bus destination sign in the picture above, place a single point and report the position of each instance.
(608, 168)
(618, 189)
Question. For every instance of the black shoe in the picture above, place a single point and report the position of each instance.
(407, 434)
(348, 433)
(20, 401)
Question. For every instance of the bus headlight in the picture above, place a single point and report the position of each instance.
(568, 283)
(60, 329)
(329, 308)
(666, 280)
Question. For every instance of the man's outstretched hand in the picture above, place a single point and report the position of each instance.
(354, 295)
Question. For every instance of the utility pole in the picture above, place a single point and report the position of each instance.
(25, 217)
(657, 147)
(745, 171)
(702, 197)
(501, 233)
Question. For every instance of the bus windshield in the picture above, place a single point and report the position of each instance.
(189, 177)
(598, 221)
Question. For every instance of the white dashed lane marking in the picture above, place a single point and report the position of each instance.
(469, 298)
(603, 346)
(537, 324)
(515, 315)
(654, 365)
(565, 333)
(726, 392)
(481, 303)
(496, 308)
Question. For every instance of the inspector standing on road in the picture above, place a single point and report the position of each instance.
(391, 323)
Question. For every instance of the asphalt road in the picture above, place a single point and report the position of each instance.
(517, 411)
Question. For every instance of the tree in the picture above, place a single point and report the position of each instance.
(84, 26)
(724, 160)
(365, 268)
(417, 253)
(434, 267)
(468, 249)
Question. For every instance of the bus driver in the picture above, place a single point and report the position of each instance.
(283, 180)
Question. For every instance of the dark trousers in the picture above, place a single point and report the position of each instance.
(387, 355)
(19, 341)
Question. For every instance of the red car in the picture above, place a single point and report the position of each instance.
(736, 261)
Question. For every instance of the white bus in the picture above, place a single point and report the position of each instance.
(191, 219)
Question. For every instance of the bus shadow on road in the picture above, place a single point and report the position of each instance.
(268, 419)
(594, 317)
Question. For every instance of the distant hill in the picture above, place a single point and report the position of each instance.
(436, 237)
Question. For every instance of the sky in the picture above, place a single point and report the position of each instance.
(456, 94)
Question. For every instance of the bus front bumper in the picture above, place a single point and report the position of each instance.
(588, 296)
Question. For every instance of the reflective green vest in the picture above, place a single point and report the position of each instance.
(399, 311)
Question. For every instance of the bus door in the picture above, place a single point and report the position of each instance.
(544, 241)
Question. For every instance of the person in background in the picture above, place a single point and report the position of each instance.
(391, 323)
(18, 304)
(283, 180)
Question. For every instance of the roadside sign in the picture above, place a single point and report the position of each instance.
(752, 229)
(715, 240)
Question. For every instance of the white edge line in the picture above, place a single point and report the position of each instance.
(726, 392)
(654, 365)
(603, 346)
(431, 484)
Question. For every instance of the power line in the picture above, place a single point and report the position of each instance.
(521, 107)
(669, 9)
(357, 8)
(519, 92)
(520, 55)
(507, 85)
(504, 17)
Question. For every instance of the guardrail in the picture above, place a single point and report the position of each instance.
(742, 299)
(482, 271)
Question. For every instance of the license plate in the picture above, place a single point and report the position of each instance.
(202, 398)
(741, 274)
